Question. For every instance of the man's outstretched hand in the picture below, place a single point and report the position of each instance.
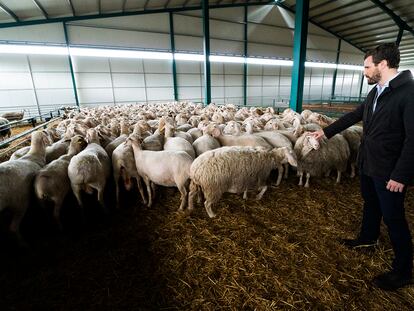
(318, 135)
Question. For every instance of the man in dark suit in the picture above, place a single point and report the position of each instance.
(385, 160)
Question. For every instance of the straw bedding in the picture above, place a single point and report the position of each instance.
(280, 253)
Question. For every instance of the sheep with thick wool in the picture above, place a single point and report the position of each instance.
(234, 170)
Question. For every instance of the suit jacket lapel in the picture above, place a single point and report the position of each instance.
(380, 105)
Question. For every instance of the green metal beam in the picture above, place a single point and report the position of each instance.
(394, 16)
(374, 33)
(299, 54)
(364, 30)
(41, 8)
(71, 7)
(123, 5)
(338, 51)
(129, 13)
(348, 22)
(206, 41)
(71, 66)
(4, 8)
(399, 37)
(245, 55)
(99, 7)
(174, 65)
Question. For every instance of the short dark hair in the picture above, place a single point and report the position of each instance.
(387, 51)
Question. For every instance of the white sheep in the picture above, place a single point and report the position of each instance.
(207, 141)
(90, 169)
(319, 158)
(17, 179)
(52, 183)
(234, 170)
(168, 168)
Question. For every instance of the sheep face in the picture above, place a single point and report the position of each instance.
(77, 144)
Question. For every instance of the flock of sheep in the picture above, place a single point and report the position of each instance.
(201, 150)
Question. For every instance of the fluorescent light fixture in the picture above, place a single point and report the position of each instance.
(192, 57)
(33, 49)
(350, 67)
(227, 59)
(320, 65)
(118, 53)
(272, 62)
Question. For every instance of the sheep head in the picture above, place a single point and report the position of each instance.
(77, 144)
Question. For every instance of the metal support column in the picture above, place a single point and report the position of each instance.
(399, 37)
(299, 54)
(34, 87)
(361, 83)
(174, 66)
(338, 51)
(245, 58)
(71, 66)
(206, 40)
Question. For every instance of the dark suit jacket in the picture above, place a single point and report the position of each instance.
(387, 146)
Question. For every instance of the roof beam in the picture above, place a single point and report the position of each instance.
(373, 32)
(357, 19)
(129, 13)
(337, 8)
(375, 26)
(320, 5)
(123, 5)
(8, 11)
(345, 15)
(41, 8)
(71, 7)
(99, 7)
(319, 25)
(385, 37)
(394, 16)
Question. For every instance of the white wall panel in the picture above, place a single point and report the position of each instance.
(16, 98)
(157, 66)
(270, 51)
(217, 92)
(253, 91)
(270, 91)
(18, 80)
(226, 30)
(350, 58)
(129, 94)
(226, 47)
(189, 92)
(230, 14)
(55, 97)
(52, 80)
(158, 80)
(254, 80)
(216, 68)
(230, 68)
(50, 33)
(119, 38)
(13, 63)
(97, 80)
(48, 63)
(90, 64)
(128, 80)
(233, 80)
(188, 67)
(267, 34)
(188, 25)
(321, 56)
(165, 94)
(270, 80)
(217, 80)
(185, 43)
(150, 22)
(234, 91)
(126, 65)
(95, 95)
(188, 80)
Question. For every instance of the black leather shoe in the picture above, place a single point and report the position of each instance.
(359, 243)
(391, 280)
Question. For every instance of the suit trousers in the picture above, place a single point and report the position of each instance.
(380, 203)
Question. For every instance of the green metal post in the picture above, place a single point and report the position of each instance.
(71, 66)
(360, 86)
(399, 37)
(299, 54)
(245, 58)
(174, 65)
(206, 40)
(338, 51)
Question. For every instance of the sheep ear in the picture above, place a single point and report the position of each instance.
(216, 132)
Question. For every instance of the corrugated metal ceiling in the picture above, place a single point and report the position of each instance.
(363, 23)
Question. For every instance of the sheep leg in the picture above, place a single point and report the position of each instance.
(207, 205)
(307, 180)
(193, 192)
(245, 195)
(286, 170)
(117, 192)
(184, 193)
(279, 175)
(300, 179)
(260, 194)
(141, 189)
(153, 189)
(352, 170)
(77, 192)
(149, 191)
(338, 177)
(101, 199)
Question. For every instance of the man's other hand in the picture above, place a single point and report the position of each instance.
(395, 186)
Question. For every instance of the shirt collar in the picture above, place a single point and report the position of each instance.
(386, 84)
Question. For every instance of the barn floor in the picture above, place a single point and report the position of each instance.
(279, 253)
